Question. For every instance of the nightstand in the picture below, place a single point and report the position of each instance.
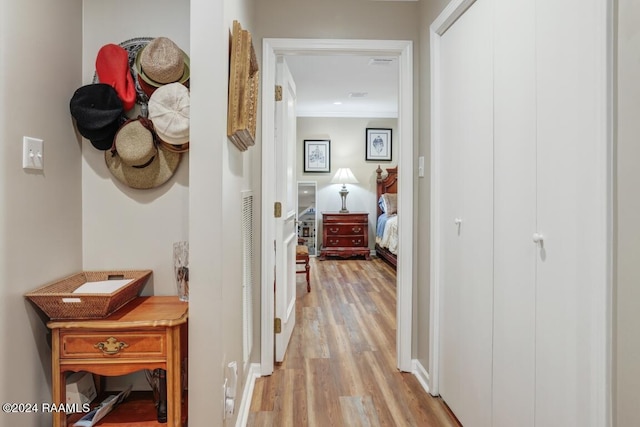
(345, 234)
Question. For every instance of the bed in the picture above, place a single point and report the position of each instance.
(387, 215)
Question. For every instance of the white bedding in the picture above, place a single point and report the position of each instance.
(389, 237)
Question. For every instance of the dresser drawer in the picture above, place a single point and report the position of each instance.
(345, 218)
(117, 345)
(334, 242)
(345, 229)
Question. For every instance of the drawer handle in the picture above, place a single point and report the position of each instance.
(356, 229)
(356, 242)
(111, 346)
(334, 230)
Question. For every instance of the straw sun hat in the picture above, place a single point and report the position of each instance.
(136, 160)
(161, 62)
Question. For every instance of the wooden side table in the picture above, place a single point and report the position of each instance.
(345, 234)
(147, 333)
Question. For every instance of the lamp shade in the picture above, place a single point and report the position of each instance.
(344, 176)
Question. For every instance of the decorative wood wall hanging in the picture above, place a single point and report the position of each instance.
(243, 89)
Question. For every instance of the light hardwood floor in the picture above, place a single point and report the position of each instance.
(340, 366)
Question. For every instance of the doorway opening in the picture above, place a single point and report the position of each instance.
(403, 51)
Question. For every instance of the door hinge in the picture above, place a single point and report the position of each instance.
(277, 325)
(278, 93)
(277, 210)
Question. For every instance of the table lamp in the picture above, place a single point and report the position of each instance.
(344, 176)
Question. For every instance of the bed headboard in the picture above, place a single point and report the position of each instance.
(388, 184)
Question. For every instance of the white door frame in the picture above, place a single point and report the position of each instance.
(404, 51)
(601, 307)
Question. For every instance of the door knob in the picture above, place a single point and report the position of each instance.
(538, 238)
(457, 221)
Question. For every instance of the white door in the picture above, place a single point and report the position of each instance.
(514, 300)
(572, 213)
(467, 216)
(286, 194)
(551, 239)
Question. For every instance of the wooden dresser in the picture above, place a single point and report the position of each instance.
(345, 234)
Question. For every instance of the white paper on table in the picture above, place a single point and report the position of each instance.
(102, 286)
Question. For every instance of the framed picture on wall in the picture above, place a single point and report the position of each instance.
(378, 144)
(317, 155)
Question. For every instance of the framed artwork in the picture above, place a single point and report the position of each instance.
(305, 231)
(378, 144)
(317, 155)
(244, 76)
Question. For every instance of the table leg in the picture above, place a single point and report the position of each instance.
(174, 387)
(58, 385)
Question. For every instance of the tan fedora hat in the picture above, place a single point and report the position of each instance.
(161, 62)
(136, 160)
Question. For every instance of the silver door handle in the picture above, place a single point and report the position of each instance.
(538, 238)
(457, 221)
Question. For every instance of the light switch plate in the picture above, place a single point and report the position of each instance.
(32, 153)
(421, 167)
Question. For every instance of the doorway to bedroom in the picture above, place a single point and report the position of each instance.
(401, 53)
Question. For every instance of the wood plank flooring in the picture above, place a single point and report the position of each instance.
(340, 366)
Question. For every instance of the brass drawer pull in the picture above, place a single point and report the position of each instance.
(334, 230)
(111, 346)
(356, 229)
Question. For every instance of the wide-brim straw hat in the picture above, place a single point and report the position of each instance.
(136, 160)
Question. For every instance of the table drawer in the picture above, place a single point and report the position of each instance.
(117, 345)
(341, 241)
(345, 229)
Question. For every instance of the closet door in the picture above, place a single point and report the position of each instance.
(572, 212)
(467, 215)
(515, 214)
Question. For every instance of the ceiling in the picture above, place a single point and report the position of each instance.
(365, 86)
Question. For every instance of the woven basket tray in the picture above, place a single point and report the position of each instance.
(58, 301)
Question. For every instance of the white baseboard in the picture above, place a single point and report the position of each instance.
(420, 373)
(243, 411)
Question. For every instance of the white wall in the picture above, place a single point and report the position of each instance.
(347, 136)
(125, 227)
(218, 173)
(40, 212)
(429, 11)
(627, 229)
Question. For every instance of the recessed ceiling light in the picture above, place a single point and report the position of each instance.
(357, 94)
(337, 103)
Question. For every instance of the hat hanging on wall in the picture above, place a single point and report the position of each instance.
(98, 112)
(112, 68)
(161, 62)
(136, 160)
(169, 111)
(132, 47)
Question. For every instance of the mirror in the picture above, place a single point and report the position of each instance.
(307, 217)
